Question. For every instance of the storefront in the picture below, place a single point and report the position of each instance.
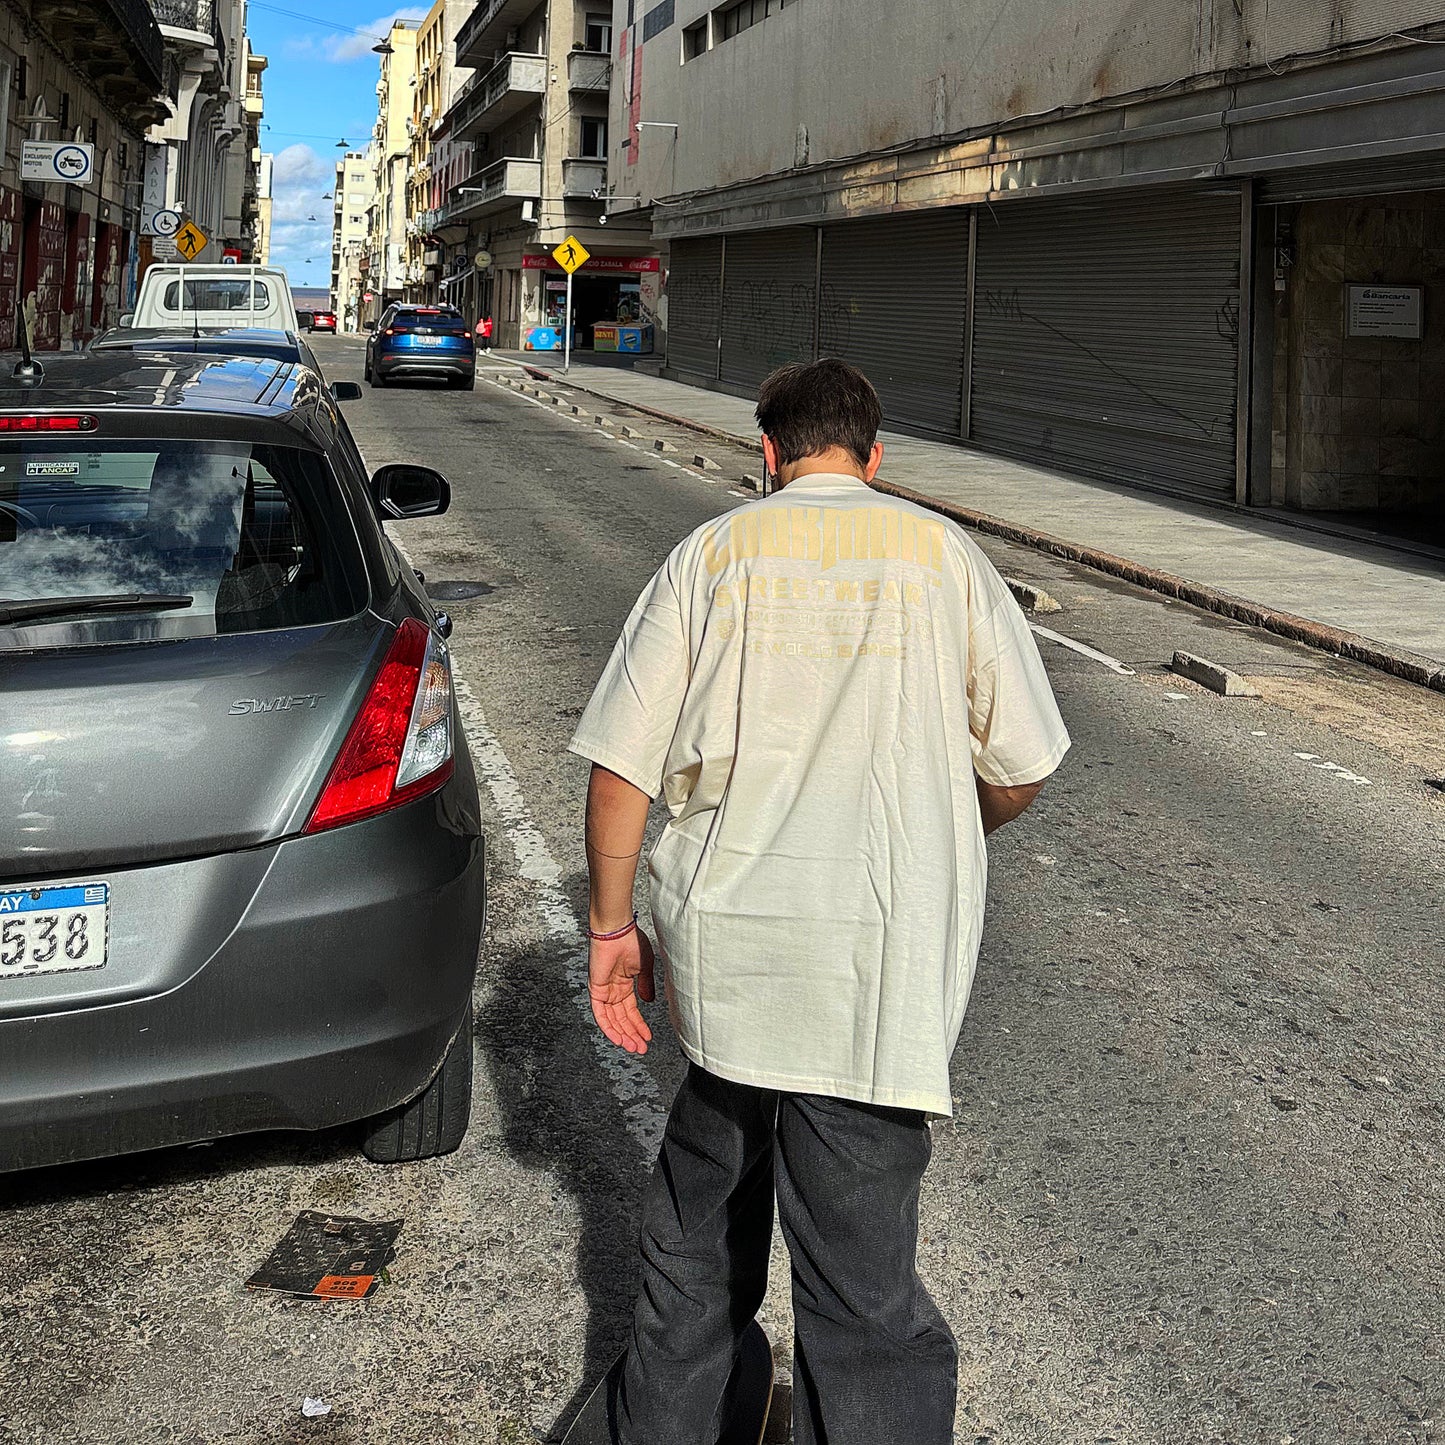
(614, 304)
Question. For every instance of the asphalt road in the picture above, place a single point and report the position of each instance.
(1189, 1194)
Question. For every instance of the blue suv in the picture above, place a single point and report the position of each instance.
(421, 341)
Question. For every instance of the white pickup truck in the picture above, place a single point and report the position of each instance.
(214, 297)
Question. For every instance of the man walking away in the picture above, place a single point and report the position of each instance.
(838, 698)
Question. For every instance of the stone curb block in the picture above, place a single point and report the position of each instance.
(658, 445)
(1398, 662)
(705, 464)
(631, 431)
(1212, 675)
(600, 420)
(1031, 598)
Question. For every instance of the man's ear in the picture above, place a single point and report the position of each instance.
(770, 455)
(875, 460)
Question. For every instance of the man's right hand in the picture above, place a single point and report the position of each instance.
(613, 968)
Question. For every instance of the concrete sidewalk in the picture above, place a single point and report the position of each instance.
(1369, 602)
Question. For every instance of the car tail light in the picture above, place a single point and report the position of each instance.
(400, 747)
(47, 423)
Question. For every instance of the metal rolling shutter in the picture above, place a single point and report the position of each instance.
(1380, 177)
(1106, 337)
(893, 302)
(694, 297)
(768, 302)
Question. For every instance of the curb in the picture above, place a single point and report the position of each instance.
(1397, 662)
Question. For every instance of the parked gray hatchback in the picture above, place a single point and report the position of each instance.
(241, 863)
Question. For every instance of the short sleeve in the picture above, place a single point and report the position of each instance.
(1018, 735)
(629, 724)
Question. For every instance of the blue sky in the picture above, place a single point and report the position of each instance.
(320, 87)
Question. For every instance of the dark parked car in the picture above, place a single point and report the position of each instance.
(241, 863)
(323, 321)
(234, 341)
(421, 341)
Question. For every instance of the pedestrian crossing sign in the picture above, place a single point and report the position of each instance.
(190, 240)
(571, 254)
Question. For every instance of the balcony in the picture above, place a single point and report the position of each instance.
(492, 99)
(116, 45)
(589, 71)
(584, 178)
(502, 184)
(486, 29)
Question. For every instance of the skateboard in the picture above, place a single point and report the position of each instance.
(746, 1400)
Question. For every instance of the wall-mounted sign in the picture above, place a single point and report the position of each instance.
(1387, 311)
(71, 162)
(595, 263)
(482, 260)
(164, 223)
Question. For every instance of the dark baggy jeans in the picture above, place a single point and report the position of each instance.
(874, 1362)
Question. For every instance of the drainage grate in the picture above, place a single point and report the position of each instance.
(457, 591)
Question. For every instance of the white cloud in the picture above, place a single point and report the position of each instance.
(299, 178)
(342, 49)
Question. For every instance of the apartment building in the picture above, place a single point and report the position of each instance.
(390, 152)
(535, 114)
(264, 172)
(436, 161)
(1196, 246)
(353, 196)
(204, 156)
(67, 250)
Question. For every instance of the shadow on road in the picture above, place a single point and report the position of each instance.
(558, 1115)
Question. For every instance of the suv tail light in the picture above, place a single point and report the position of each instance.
(400, 747)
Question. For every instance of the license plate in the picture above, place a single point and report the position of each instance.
(430, 340)
(53, 930)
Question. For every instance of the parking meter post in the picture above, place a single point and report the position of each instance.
(567, 330)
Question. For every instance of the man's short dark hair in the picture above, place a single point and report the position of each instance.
(808, 408)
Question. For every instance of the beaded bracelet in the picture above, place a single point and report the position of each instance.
(612, 937)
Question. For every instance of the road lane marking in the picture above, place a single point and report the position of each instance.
(627, 1076)
(1084, 650)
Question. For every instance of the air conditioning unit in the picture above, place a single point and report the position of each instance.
(529, 210)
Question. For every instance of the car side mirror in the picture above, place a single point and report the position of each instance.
(126, 317)
(400, 491)
(345, 391)
(368, 326)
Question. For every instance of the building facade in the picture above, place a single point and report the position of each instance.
(204, 157)
(353, 196)
(264, 170)
(1197, 247)
(535, 116)
(390, 152)
(68, 252)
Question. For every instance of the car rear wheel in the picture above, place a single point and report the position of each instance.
(463, 383)
(376, 378)
(435, 1122)
(366, 371)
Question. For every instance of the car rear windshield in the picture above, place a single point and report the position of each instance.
(252, 535)
(217, 293)
(430, 321)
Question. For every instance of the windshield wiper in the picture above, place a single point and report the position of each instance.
(41, 607)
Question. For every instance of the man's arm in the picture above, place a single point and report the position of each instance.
(1002, 805)
(616, 822)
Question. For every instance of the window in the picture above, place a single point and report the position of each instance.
(217, 294)
(694, 41)
(737, 18)
(594, 138)
(599, 33)
(354, 220)
(249, 533)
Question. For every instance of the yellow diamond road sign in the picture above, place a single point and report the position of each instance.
(190, 240)
(571, 254)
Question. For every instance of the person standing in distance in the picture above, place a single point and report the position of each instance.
(838, 698)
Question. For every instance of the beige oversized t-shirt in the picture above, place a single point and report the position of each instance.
(812, 681)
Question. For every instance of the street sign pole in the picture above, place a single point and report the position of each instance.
(567, 330)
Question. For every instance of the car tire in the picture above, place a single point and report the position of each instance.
(468, 383)
(366, 372)
(377, 379)
(435, 1122)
